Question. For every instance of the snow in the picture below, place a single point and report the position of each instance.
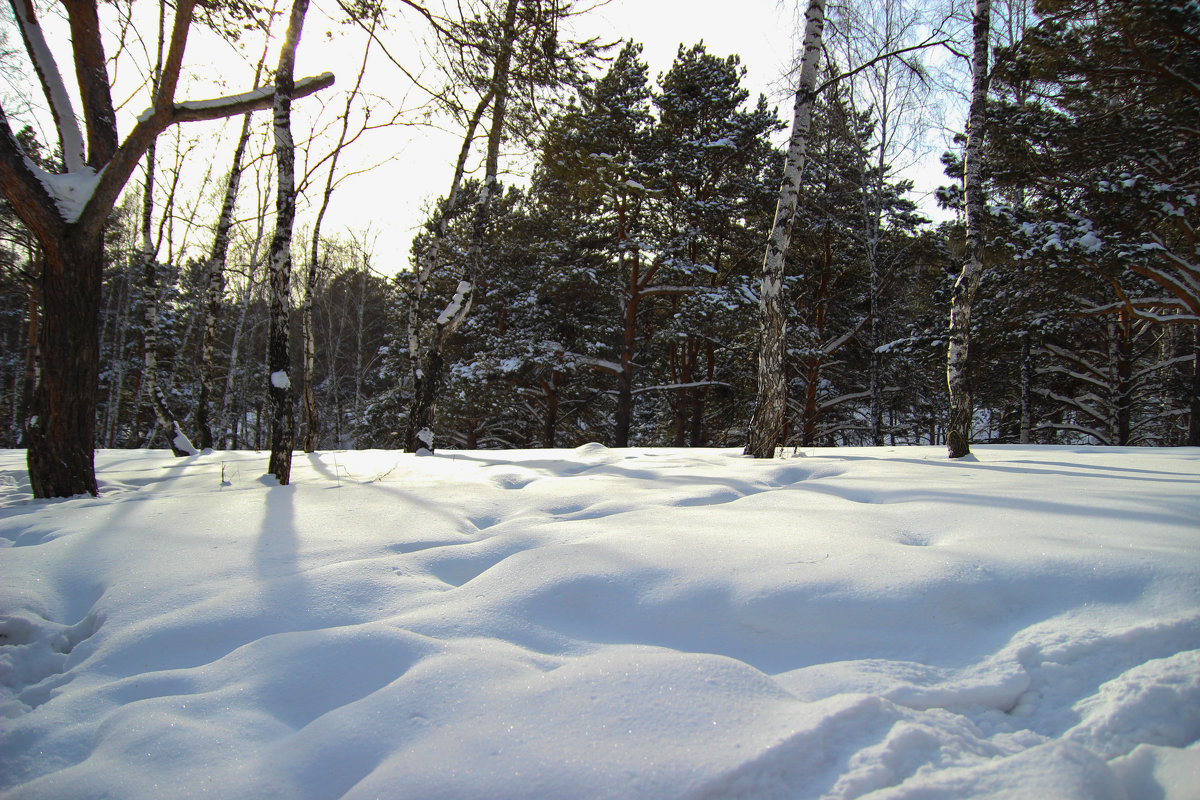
(280, 379)
(183, 443)
(456, 303)
(1090, 242)
(70, 191)
(658, 623)
(60, 100)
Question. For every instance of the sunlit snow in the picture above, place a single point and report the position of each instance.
(597, 623)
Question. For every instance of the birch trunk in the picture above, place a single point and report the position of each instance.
(767, 424)
(279, 385)
(164, 420)
(958, 435)
(214, 289)
(429, 373)
(310, 416)
(1026, 387)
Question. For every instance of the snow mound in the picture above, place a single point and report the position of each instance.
(602, 623)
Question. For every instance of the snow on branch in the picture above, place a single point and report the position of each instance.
(232, 105)
(52, 84)
(671, 386)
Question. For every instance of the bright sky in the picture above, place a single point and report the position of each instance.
(391, 199)
(393, 196)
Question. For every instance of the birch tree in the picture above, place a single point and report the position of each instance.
(958, 356)
(429, 360)
(770, 409)
(279, 389)
(214, 278)
(177, 440)
(67, 211)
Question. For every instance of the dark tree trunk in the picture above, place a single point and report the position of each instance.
(62, 427)
(812, 412)
(1123, 373)
(624, 408)
(1194, 417)
(699, 396)
(550, 422)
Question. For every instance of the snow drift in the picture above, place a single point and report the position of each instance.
(859, 622)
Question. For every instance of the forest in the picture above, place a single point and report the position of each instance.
(606, 282)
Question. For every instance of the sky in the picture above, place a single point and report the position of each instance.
(411, 165)
(760, 31)
(393, 199)
(660, 624)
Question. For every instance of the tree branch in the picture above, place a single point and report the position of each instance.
(151, 124)
(27, 195)
(91, 73)
(881, 57)
(70, 137)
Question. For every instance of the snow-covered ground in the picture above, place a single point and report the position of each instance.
(597, 623)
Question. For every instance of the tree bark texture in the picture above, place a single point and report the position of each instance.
(419, 434)
(62, 428)
(279, 385)
(770, 409)
(958, 360)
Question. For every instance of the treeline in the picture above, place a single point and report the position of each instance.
(619, 296)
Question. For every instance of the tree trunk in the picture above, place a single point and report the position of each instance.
(1122, 366)
(876, 377)
(419, 434)
(699, 395)
(279, 385)
(550, 421)
(62, 429)
(311, 418)
(770, 409)
(214, 289)
(164, 419)
(624, 408)
(1026, 388)
(624, 418)
(1193, 439)
(958, 359)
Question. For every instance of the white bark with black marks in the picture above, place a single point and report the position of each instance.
(279, 385)
(958, 355)
(770, 410)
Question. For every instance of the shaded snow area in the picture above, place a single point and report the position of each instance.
(597, 623)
